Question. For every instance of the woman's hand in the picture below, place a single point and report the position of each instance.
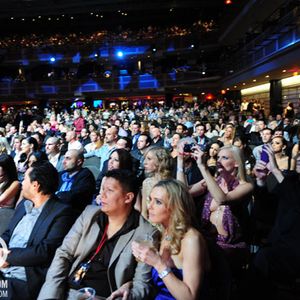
(145, 254)
(260, 170)
(199, 155)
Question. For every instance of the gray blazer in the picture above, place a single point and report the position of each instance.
(78, 244)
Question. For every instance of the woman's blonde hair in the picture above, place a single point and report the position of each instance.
(164, 166)
(4, 146)
(182, 207)
(239, 158)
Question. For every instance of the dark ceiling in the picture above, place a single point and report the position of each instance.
(28, 16)
(23, 8)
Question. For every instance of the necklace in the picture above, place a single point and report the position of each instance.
(167, 238)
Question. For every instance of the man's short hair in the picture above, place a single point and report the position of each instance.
(200, 124)
(137, 123)
(148, 138)
(127, 139)
(268, 129)
(46, 175)
(126, 179)
(184, 128)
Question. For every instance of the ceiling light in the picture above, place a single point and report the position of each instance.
(283, 71)
(256, 89)
(290, 81)
(254, 80)
(120, 54)
(267, 76)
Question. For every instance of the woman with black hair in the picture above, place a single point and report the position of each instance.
(118, 159)
(9, 189)
(28, 146)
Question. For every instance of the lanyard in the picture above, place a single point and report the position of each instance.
(103, 240)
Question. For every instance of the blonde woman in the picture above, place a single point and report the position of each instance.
(179, 265)
(225, 216)
(158, 166)
(228, 136)
(4, 146)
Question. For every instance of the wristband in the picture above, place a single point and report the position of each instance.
(164, 273)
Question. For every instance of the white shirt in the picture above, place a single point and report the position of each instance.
(76, 145)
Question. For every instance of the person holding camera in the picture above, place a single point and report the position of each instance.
(224, 216)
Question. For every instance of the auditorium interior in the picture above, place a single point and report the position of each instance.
(125, 53)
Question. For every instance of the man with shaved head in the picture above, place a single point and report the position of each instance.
(77, 184)
(111, 137)
(52, 149)
(73, 143)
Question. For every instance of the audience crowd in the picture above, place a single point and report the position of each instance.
(104, 36)
(196, 202)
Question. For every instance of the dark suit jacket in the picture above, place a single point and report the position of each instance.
(47, 235)
(158, 143)
(134, 141)
(82, 190)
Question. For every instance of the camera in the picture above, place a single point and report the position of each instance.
(187, 148)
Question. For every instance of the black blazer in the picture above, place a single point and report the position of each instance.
(82, 190)
(47, 235)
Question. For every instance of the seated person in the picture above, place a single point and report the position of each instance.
(118, 159)
(178, 267)
(225, 217)
(76, 184)
(278, 261)
(97, 250)
(9, 189)
(34, 233)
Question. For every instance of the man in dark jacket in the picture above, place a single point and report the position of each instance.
(37, 228)
(76, 184)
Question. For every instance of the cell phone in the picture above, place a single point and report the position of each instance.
(264, 155)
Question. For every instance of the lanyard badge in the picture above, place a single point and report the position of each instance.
(81, 272)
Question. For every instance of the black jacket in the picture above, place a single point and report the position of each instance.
(82, 190)
(47, 235)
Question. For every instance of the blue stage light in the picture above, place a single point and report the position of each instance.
(52, 59)
(120, 54)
